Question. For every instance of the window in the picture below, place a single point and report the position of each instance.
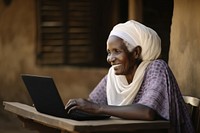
(74, 32)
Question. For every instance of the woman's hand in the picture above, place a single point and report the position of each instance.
(82, 104)
(133, 111)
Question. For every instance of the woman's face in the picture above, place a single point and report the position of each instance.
(120, 57)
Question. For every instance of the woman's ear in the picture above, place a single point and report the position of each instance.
(137, 52)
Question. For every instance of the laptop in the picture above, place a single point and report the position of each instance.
(47, 100)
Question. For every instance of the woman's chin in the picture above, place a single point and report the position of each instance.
(117, 72)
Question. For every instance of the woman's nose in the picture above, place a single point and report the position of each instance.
(111, 58)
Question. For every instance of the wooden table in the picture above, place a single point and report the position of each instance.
(46, 123)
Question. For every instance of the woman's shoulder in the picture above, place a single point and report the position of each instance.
(158, 64)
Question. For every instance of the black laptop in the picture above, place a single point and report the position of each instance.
(47, 100)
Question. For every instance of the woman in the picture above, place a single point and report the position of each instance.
(138, 84)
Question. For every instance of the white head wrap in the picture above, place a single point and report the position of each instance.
(119, 92)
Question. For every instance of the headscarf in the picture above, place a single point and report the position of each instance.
(119, 92)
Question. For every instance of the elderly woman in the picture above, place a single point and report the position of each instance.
(138, 84)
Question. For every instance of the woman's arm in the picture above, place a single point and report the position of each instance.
(133, 111)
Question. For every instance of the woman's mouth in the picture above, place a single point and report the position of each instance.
(116, 66)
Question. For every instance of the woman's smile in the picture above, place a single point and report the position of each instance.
(116, 67)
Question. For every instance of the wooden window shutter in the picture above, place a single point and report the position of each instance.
(65, 32)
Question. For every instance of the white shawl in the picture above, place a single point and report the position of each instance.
(119, 92)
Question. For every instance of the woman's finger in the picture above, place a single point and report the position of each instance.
(70, 104)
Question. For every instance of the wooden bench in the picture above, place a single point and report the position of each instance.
(34, 120)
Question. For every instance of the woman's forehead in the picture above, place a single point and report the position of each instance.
(115, 43)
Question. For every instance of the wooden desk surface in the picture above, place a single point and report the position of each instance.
(112, 124)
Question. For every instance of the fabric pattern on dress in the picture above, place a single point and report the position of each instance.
(158, 91)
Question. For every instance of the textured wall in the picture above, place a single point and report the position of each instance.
(17, 55)
(184, 56)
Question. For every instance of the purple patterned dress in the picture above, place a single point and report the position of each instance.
(158, 91)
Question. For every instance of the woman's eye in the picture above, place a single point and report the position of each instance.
(114, 52)
(117, 51)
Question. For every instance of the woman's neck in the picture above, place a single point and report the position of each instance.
(129, 77)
